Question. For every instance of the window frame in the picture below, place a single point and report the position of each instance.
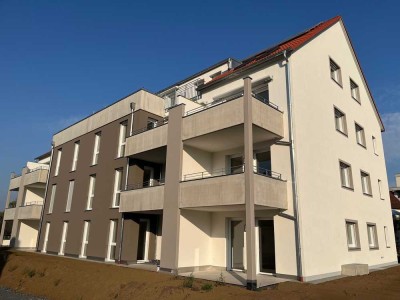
(374, 145)
(380, 189)
(96, 148)
(63, 238)
(58, 162)
(85, 239)
(71, 186)
(46, 237)
(364, 144)
(342, 120)
(75, 156)
(91, 192)
(112, 239)
(355, 237)
(357, 90)
(350, 175)
(52, 198)
(123, 133)
(385, 231)
(375, 245)
(337, 71)
(117, 187)
(363, 175)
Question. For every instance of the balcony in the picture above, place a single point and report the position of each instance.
(31, 211)
(37, 175)
(144, 196)
(218, 126)
(9, 213)
(15, 182)
(146, 139)
(226, 188)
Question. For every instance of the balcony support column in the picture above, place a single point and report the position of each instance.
(20, 200)
(249, 186)
(173, 176)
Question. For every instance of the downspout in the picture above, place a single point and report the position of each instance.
(45, 196)
(132, 110)
(293, 168)
(121, 238)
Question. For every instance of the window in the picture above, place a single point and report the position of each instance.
(346, 175)
(96, 149)
(151, 123)
(85, 239)
(75, 158)
(69, 197)
(112, 240)
(374, 145)
(335, 72)
(340, 121)
(360, 135)
(380, 189)
(117, 187)
(366, 183)
(46, 237)
(92, 183)
(63, 238)
(52, 197)
(386, 236)
(59, 153)
(122, 138)
(353, 241)
(355, 93)
(372, 236)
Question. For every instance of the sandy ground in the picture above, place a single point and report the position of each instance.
(63, 278)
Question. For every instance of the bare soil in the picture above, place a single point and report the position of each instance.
(54, 277)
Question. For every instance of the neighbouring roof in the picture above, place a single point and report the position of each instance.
(45, 155)
(394, 201)
(291, 44)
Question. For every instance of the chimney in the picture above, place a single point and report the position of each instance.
(398, 180)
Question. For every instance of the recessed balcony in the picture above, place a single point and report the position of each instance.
(31, 211)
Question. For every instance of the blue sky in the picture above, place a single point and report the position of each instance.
(62, 60)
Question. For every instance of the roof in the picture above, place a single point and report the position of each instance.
(291, 44)
(394, 201)
(220, 63)
(45, 155)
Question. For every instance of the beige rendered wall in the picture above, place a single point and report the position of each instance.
(324, 204)
(195, 160)
(27, 234)
(142, 99)
(34, 195)
(195, 241)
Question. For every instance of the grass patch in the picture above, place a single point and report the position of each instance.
(207, 287)
(188, 281)
(29, 272)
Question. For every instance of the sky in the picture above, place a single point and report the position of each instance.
(62, 60)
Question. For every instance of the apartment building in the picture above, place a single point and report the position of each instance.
(270, 165)
(395, 205)
(24, 204)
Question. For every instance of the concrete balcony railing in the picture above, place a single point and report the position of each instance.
(226, 114)
(9, 214)
(143, 197)
(229, 190)
(145, 140)
(30, 212)
(38, 175)
(15, 182)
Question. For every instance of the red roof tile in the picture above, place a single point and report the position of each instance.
(394, 201)
(292, 44)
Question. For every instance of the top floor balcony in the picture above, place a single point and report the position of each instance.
(36, 175)
(214, 127)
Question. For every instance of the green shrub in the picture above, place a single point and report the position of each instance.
(188, 281)
(207, 287)
(29, 272)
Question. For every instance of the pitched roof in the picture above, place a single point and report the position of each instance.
(394, 201)
(291, 44)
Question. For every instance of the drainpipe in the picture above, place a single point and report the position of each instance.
(45, 196)
(132, 110)
(293, 167)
